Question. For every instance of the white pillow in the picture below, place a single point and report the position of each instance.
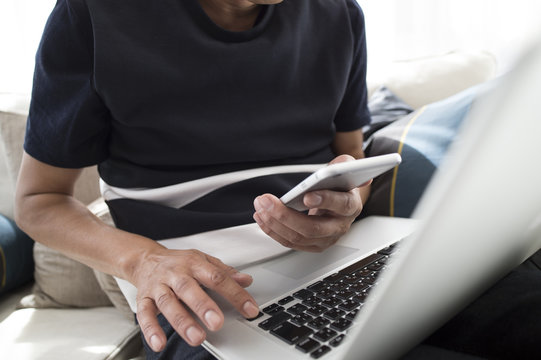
(425, 80)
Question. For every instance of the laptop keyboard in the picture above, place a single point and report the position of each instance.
(315, 319)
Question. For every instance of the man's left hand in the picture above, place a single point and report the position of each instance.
(330, 216)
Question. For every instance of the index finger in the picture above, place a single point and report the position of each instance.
(216, 276)
(342, 203)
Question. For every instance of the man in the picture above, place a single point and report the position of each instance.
(162, 92)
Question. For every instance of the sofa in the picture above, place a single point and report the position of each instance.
(65, 310)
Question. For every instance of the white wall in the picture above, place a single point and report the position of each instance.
(21, 24)
(401, 29)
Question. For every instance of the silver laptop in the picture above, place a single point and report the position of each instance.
(479, 218)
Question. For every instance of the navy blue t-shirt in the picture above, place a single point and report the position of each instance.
(156, 94)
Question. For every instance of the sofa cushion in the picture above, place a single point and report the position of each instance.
(82, 334)
(422, 138)
(385, 108)
(62, 282)
(422, 81)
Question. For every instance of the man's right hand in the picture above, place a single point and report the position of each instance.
(170, 282)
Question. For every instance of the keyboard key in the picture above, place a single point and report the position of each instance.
(341, 324)
(316, 310)
(274, 321)
(325, 293)
(360, 298)
(318, 323)
(332, 302)
(333, 278)
(334, 314)
(301, 319)
(273, 309)
(339, 286)
(352, 278)
(286, 300)
(345, 294)
(359, 287)
(351, 315)
(257, 317)
(307, 345)
(337, 340)
(325, 334)
(360, 264)
(388, 250)
(302, 294)
(311, 301)
(317, 286)
(291, 333)
(376, 266)
(365, 272)
(320, 352)
(297, 309)
(348, 305)
(370, 279)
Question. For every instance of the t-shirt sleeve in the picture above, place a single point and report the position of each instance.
(68, 124)
(353, 112)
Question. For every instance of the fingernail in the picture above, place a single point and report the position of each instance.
(194, 334)
(213, 320)
(263, 203)
(240, 275)
(250, 309)
(312, 199)
(155, 343)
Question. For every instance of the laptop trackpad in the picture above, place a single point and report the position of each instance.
(297, 265)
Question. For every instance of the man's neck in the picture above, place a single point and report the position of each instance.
(232, 15)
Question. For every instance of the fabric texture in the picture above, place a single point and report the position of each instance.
(62, 282)
(16, 261)
(422, 139)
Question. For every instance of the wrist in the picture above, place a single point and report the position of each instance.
(141, 251)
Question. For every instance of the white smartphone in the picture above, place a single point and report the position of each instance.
(342, 176)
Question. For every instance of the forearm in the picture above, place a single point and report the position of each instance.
(63, 223)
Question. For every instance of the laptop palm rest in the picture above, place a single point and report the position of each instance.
(300, 265)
